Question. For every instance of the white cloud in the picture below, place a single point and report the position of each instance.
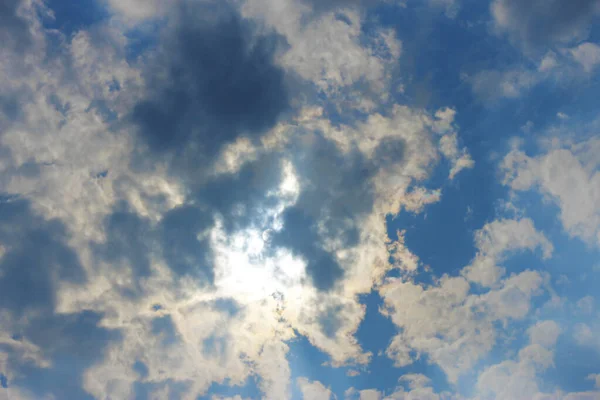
(442, 321)
(520, 379)
(74, 130)
(548, 62)
(492, 84)
(330, 50)
(497, 240)
(587, 54)
(419, 388)
(365, 394)
(402, 257)
(509, 380)
(596, 379)
(585, 335)
(313, 390)
(460, 159)
(585, 305)
(544, 333)
(568, 176)
(138, 10)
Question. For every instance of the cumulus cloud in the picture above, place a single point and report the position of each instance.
(587, 54)
(492, 85)
(313, 390)
(518, 377)
(497, 239)
(568, 176)
(461, 326)
(544, 333)
(171, 221)
(411, 387)
(330, 50)
(138, 10)
(521, 378)
(584, 334)
(190, 215)
(596, 379)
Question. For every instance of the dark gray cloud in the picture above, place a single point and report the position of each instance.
(14, 29)
(73, 343)
(183, 251)
(242, 197)
(331, 320)
(37, 256)
(135, 240)
(535, 23)
(163, 328)
(300, 236)
(213, 79)
(10, 110)
(130, 238)
(336, 192)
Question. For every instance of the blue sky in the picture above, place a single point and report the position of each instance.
(300, 199)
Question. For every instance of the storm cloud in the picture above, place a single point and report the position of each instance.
(213, 79)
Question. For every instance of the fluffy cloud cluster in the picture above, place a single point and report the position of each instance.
(190, 212)
(451, 326)
(569, 176)
(509, 379)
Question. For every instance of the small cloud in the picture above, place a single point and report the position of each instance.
(595, 378)
(563, 280)
(548, 62)
(585, 305)
(527, 127)
(562, 115)
(587, 54)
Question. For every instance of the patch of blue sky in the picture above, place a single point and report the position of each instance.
(141, 38)
(73, 16)
(573, 363)
(436, 51)
(374, 335)
(309, 362)
(442, 235)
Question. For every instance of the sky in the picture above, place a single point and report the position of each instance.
(300, 199)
